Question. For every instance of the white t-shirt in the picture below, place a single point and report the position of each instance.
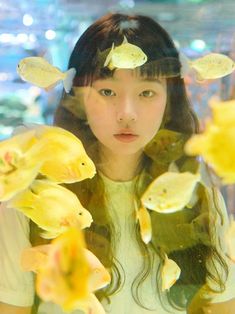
(17, 287)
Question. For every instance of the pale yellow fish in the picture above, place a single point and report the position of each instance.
(99, 276)
(34, 258)
(212, 66)
(64, 278)
(38, 71)
(64, 157)
(67, 160)
(70, 274)
(230, 238)
(125, 56)
(170, 192)
(90, 305)
(223, 112)
(18, 165)
(144, 219)
(215, 144)
(170, 273)
(52, 207)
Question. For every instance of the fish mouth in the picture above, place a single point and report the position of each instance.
(149, 206)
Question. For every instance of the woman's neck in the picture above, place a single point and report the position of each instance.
(119, 167)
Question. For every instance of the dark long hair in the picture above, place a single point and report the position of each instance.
(88, 58)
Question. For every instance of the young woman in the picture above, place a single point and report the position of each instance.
(119, 114)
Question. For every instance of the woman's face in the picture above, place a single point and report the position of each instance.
(125, 111)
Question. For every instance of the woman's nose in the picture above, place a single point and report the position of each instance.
(126, 110)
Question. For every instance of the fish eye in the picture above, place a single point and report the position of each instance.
(150, 199)
(83, 163)
(80, 213)
(106, 92)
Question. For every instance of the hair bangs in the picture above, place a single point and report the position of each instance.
(166, 67)
(161, 68)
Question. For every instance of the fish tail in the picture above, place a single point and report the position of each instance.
(145, 224)
(22, 201)
(109, 56)
(185, 64)
(68, 81)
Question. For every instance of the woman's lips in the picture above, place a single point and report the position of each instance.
(126, 138)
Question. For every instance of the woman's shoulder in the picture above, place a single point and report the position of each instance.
(13, 222)
(12, 214)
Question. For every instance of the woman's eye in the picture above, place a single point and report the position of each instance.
(106, 92)
(148, 93)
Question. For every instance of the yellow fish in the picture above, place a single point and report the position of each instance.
(18, 165)
(170, 192)
(99, 276)
(51, 151)
(52, 207)
(64, 157)
(215, 144)
(64, 278)
(223, 111)
(67, 160)
(125, 56)
(144, 219)
(38, 71)
(34, 258)
(170, 273)
(70, 273)
(210, 66)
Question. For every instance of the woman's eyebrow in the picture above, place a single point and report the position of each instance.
(151, 80)
(146, 79)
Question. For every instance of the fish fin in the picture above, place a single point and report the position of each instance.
(125, 41)
(95, 306)
(23, 201)
(109, 56)
(173, 167)
(24, 127)
(199, 78)
(136, 211)
(50, 87)
(111, 66)
(144, 219)
(48, 234)
(193, 199)
(27, 211)
(185, 64)
(68, 81)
